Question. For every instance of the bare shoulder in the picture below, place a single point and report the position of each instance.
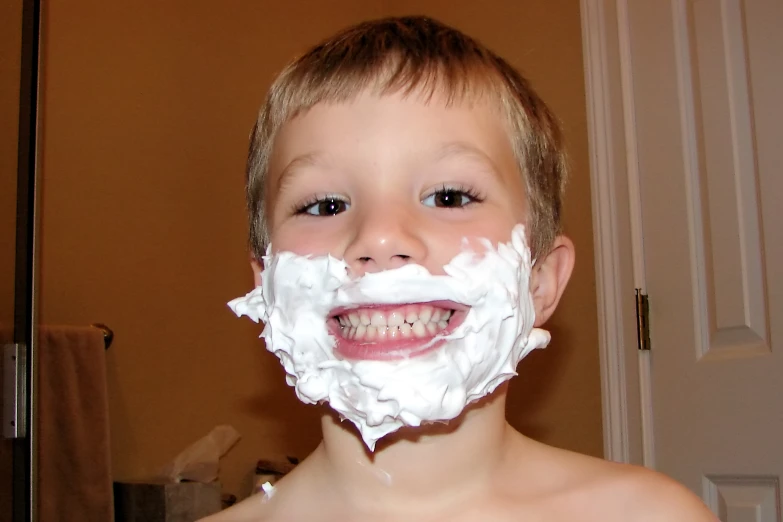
(655, 497)
(282, 503)
(633, 493)
(578, 487)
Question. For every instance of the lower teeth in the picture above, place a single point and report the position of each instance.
(393, 332)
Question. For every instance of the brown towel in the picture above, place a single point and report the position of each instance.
(74, 472)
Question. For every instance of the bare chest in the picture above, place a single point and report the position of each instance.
(491, 512)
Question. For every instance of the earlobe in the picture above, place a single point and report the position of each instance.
(550, 277)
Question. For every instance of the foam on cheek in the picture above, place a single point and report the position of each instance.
(297, 294)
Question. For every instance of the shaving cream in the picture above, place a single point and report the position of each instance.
(297, 294)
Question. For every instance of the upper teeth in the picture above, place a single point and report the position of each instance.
(416, 321)
(426, 314)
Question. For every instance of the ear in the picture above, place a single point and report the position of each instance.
(550, 276)
(257, 267)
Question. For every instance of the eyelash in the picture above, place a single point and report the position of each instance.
(474, 195)
(301, 208)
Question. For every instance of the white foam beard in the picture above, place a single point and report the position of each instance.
(297, 294)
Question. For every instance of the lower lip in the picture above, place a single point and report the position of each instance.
(393, 350)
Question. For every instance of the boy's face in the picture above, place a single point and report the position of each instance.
(384, 181)
(380, 182)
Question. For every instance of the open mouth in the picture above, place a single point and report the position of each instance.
(393, 331)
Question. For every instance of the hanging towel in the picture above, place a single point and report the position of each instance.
(74, 471)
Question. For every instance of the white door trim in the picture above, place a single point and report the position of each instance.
(617, 232)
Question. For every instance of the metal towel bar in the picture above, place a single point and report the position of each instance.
(108, 334)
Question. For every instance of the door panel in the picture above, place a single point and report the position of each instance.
(706, 81)
(732, 313)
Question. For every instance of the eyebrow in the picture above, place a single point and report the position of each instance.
(289, 172)
(451, 149)
(460, 148)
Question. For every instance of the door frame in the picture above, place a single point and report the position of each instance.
(617, 231)
(24, 437)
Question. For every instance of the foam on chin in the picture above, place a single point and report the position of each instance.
(297, 294)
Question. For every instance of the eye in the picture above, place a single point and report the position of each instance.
(452, 197)
(324, 206)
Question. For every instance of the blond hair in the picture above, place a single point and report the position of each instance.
(405, 55)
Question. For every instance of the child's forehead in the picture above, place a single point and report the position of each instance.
(432, 121)
(479, 98)
(399, 133)
(369, 105)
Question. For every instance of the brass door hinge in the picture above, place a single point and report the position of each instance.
(642, 320)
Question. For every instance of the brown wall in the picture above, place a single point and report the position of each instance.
(148, 106)
(10, 69)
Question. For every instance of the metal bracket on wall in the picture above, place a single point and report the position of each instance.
(14, 390)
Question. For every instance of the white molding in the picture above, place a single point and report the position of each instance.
(645, 400)
(601, 136)
(636, 219)
(631, 144)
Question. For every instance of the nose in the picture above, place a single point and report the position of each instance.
(383, 239)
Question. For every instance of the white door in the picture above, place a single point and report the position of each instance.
(703, 134)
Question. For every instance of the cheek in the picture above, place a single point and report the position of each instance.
(447, 242)
(302, 242)
(496, 230)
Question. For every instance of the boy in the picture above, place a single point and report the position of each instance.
(389, 171)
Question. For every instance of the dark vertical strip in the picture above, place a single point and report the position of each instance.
(25, 248)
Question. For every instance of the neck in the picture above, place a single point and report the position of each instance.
(421, 468)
